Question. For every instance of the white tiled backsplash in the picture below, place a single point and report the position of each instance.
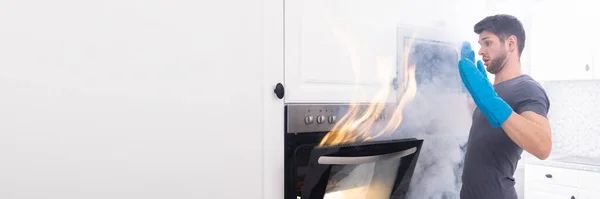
(574, 117)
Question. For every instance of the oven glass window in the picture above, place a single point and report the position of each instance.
(364, 181)
(373, 180)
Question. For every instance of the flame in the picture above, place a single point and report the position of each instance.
(376, 190)
(360, 126)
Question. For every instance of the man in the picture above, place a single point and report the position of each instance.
(510, 116)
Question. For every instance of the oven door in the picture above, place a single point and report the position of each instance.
(298, 147)
(373, 170)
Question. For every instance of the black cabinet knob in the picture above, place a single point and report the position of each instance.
(572, 197)
(548, 175)
(279, 90)
(395, 83)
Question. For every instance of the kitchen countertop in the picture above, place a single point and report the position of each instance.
(568, 162)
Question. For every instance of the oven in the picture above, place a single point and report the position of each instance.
(372, 169)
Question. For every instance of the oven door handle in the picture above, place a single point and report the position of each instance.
(333, 160)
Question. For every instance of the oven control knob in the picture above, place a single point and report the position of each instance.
(332, 119)
(308, 119)
(320, 119)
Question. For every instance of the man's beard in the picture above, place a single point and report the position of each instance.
(497, 64)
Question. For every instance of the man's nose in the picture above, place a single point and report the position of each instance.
(480, 52)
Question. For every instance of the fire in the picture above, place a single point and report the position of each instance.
(376, 190)
(359, 126)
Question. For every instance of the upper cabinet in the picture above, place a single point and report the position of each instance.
(353, 50)
(563, 43)
(336, 52)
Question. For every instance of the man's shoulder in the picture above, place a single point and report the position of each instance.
(522, 86)
(522, 90)
(528, 80)
(527, 86)
(529, 94)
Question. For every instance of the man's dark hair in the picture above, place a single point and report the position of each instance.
(503, 26)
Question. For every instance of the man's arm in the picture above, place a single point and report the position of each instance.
(531, 132)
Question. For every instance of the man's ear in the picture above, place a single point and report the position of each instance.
(512, 43)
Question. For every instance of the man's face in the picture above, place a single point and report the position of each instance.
(493, 52)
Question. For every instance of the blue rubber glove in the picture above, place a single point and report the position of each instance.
(467, 52)
(475, 80)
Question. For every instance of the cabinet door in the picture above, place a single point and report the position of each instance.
(595, 69)
(588, 185)
(587, 10)
(585, 32)
(535, 190)
(536, 194)
(131, 99)
(559, 46)
(334, 52)
(589, 194)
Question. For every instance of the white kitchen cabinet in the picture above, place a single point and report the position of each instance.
(588, 14)
(562, 46)
(348, 50)
(596, 52)
(141, 99)
(596, 64)
(535, 190)
(588, 184)
(543, 182)
(339, 51)
(589, 194)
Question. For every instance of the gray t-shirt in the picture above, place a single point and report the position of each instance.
(491, 157)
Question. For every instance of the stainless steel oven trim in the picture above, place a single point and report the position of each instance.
(304, 118)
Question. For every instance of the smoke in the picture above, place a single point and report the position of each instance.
(440, 114)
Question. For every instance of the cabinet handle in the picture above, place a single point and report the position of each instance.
(572, 197)
(279, 90)
(395, 83)
(548, 175)
(587, 67)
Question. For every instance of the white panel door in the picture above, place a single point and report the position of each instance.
(588, 22)
(595, 68)
(338, 51)
(128, 99)
(560, 53)
(589, 188)
(593, 193)
(535, 190)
